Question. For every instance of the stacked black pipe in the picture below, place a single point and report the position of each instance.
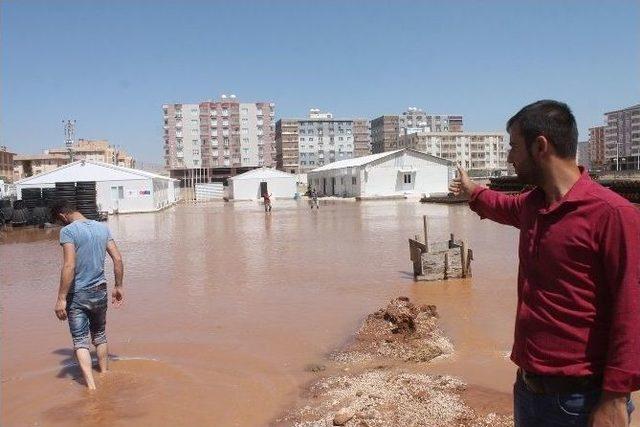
(66, 191)
(31, 197)
(40, 214)
(627, 188)
(506, 184)
(6, 210)
(86, 199)
(21, 215)
(49, 196)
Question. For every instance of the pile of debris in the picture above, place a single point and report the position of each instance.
(401, 331)
(374, 382)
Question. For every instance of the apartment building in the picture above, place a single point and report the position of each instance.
(26, 165)
(582, 154)
(622, 138)
(479, 152)
(6, 164)
(213, 139)
(288, 154)
(319, 139)
(596, 147)
(387, 130)
(98, 150)
(416, 120)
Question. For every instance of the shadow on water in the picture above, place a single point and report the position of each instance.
(70, 367)
(406, 274)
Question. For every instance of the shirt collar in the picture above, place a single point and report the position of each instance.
(576, 192)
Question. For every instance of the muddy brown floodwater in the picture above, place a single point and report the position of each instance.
(225, 307)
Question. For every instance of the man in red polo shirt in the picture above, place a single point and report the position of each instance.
(577, 330)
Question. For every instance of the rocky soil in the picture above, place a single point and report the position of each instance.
(375, 381)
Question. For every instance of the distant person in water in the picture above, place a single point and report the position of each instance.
(267, 201)
(314, 199)
(82, 297)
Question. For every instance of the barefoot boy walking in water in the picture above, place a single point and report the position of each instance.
(82, 297)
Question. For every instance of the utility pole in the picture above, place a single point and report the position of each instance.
(69, 136)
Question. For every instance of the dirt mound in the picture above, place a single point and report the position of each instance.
(401, 331)
(378, 394)
(380, 399)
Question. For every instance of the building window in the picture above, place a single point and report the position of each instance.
(407, 178)
(353, 180)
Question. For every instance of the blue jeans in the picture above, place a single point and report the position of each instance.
(554, 409)
(87, 314)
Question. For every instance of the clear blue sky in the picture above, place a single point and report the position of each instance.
(112, 64)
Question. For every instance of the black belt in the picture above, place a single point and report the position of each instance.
(548, 384)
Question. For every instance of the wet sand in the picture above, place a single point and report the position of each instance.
(225, 306)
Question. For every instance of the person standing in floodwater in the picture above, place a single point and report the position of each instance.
(314, 199)
(267, 201)
(82, 297)
(577, 329)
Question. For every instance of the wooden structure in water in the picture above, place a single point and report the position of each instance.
(439, 260)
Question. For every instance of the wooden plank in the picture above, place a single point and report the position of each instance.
(446, 265)
(425, 225)
(417, 244)
(469, 258)
(463, 258)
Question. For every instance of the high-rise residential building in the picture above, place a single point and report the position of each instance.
(213, 140)
(416, 120)
(319, 139)
(6, 164)
(622, 138)
(287, 157)
(582, 154)
(386, 130)
(98, 150)
(596, 147)
(478, 152)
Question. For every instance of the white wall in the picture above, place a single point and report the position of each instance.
(249, 188)
(137, 196)
(385, 178)
(249, 139)
(344, 184)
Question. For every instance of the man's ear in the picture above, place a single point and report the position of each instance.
(541, 147)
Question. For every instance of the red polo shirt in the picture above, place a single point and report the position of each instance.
(578, 307)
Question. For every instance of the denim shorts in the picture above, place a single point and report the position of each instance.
(87, 314)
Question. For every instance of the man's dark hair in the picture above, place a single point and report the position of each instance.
(551, 119)
(61, 206)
